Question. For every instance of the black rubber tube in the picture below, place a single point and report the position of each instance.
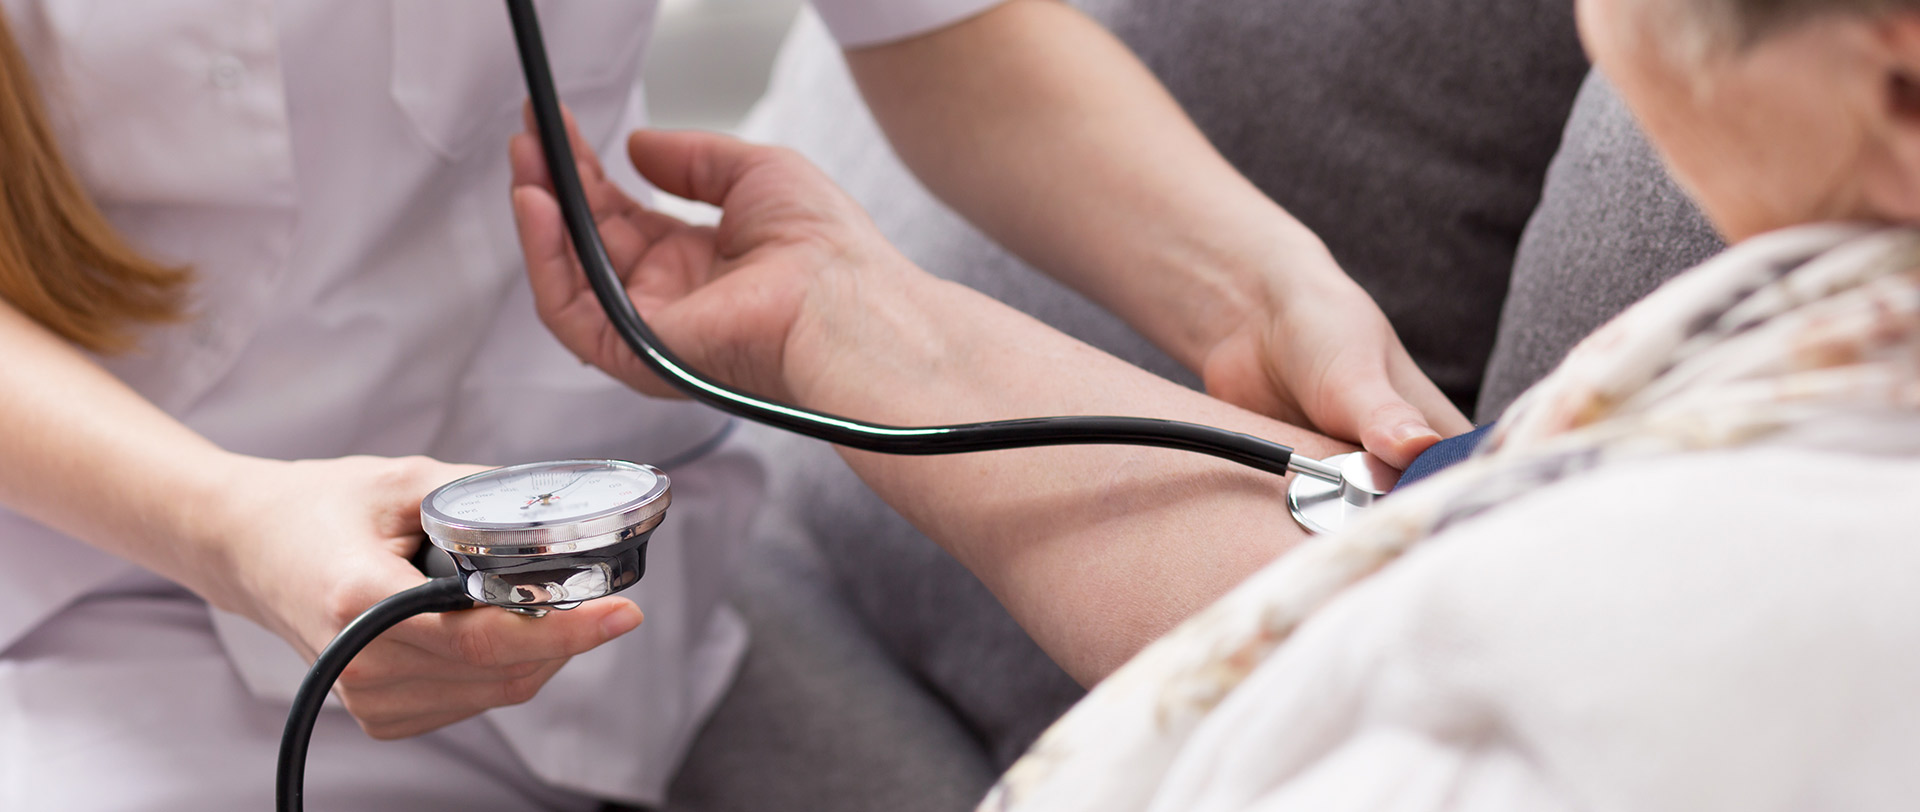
(1245, 449)
(437, 595)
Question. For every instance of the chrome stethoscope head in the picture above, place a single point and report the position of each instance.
(1325, 498)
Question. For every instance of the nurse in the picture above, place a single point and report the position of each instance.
(184, 523)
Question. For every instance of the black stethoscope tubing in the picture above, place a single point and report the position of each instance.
(996, 435)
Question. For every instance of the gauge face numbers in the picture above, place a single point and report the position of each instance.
(543, 494)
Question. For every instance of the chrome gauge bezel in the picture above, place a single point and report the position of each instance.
(573, 534)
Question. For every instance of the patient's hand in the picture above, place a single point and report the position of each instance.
(789, 250)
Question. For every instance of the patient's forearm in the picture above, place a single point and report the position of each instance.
(1095, 550)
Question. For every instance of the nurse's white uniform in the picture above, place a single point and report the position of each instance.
(336, 173)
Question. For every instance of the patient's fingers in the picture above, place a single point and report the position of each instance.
(528, 163)
(543, 236)
(625, 226)
(556, 279)
(582, 151)
(561, 295)
(695, 165)
(605, 198)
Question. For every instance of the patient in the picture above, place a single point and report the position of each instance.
(1679, 577)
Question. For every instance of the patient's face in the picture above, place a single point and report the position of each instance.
(1769, 137)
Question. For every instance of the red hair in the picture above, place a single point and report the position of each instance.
(61, 263)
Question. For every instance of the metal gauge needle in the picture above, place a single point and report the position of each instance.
(555, 492)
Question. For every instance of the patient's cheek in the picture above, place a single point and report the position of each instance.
(1779, 135)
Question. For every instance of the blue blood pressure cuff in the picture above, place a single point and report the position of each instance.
(1442, 455)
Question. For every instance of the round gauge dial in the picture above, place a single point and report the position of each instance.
(543, 492)
(544, 503)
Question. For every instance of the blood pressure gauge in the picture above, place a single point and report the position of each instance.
(548, 534)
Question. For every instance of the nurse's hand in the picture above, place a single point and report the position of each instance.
(791, 255)
(340, 538)
(1321, 354)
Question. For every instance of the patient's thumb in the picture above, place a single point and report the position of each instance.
(692, 164)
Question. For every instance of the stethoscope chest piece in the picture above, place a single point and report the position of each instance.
(548, 534)
(1324, 507)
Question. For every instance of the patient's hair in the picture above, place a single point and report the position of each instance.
(1735, 24)
(60, 262)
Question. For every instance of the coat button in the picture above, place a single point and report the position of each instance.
(226, 73)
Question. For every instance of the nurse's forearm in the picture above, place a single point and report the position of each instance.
(86, 455)
(299, 547)
(1045, 131)
(1095, 550)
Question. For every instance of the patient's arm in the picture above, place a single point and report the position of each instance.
(1095, 550)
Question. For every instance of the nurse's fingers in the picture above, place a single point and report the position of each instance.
(1392, 408)
(1426, 396)
(384, 663)
(420, 706)
(492, 638)
(1387, 425)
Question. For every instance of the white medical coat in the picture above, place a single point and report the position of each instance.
(336, 174)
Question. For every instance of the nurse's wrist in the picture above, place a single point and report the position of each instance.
(1289, 268)
(205, 519)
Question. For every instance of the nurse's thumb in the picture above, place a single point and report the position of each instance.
(621, 616)
(1388, 426)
